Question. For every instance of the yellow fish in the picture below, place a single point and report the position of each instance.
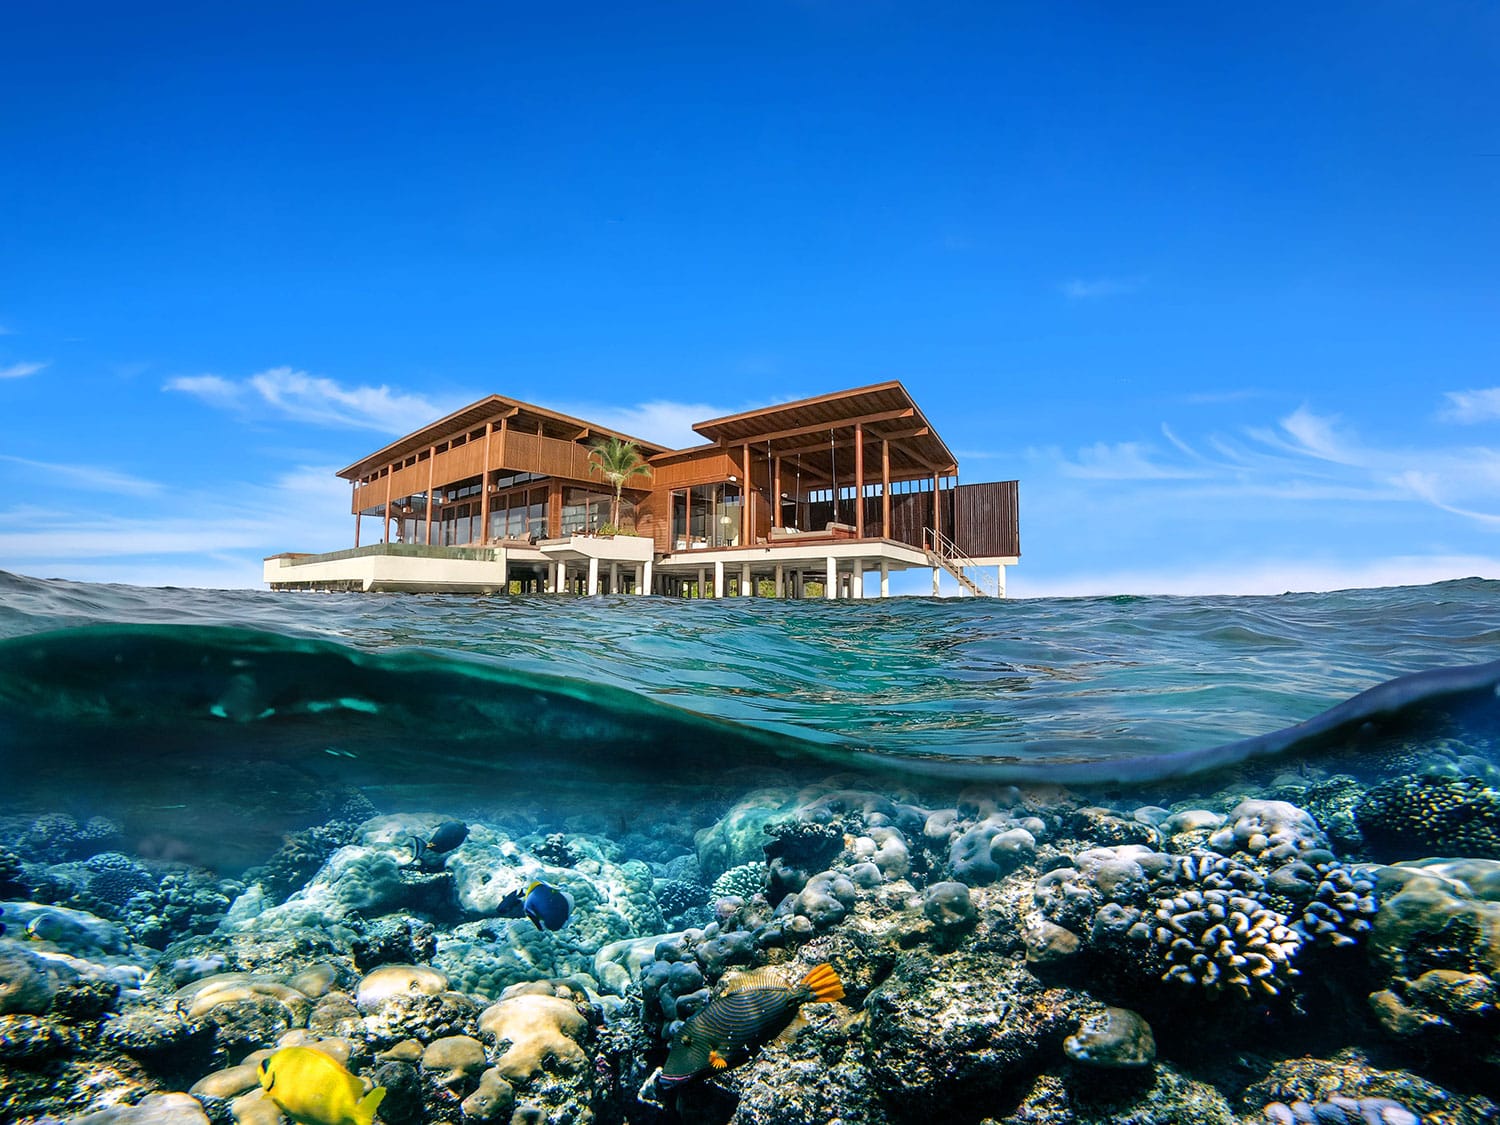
(314, 1089)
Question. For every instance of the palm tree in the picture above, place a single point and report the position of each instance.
(617, 461)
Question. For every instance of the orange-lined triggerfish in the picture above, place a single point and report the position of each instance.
(752, 1009)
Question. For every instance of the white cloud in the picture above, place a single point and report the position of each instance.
(1273, 576)
(20, 370)
(1471, 406)
(93, 478)
(201, 540)
(1306, 458)
(1126, 460)
(317, 400)
(1084, 289)
(213, 389)
(666, 423)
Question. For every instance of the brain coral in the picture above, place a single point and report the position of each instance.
(1225, 941)
(539, 1029)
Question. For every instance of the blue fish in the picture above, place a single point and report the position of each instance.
(445, 837)
(547, 906)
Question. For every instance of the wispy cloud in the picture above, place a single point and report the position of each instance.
(93, 478)
(1125, 460)
(316, 400)
(1471, 406)
(1274, 576)
(1089, 288)
(1304, 456)
(202, 540)
(20, 370)
(661, 421)
(4, 331)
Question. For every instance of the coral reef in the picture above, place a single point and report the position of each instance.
(1016, 957)
(1457, 816)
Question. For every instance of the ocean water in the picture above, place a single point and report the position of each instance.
(127, 702)
(208, 728)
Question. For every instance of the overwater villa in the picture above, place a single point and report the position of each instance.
(822, 497)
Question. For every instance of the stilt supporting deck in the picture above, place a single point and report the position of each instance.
(747, 587)
(718, 578)
(831, 586)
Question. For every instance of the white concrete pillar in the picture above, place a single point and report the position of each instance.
(780, 581)
(885, 578)
(1000, 580)
(857, 580)
(559, 576)
(504, 571)
(593, 586)
(747, 587)
(702, 581)
(645, 578)
(831, 585)
(719, 578)
(934, 581)
(614, 578)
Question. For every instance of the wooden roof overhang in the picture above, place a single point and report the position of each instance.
(520, 415)
(818, 434)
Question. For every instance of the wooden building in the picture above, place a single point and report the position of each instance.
(821, 492)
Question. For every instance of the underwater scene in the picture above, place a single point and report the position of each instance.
(343, 859)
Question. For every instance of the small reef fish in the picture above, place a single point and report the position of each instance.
(756, 1006)
(314, 1089)
(445, 837)
(547, 906)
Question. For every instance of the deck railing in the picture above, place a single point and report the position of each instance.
(958, 564)
(407, 550)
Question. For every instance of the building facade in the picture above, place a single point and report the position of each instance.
(815, 496)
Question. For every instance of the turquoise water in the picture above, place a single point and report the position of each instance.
(108, 693)
(991, 817)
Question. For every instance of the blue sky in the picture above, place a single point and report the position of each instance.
(1219, 284)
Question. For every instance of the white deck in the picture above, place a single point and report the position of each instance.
(843, 568)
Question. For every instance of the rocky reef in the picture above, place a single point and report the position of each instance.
(1008, 957)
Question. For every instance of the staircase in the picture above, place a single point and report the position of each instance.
(942, 552)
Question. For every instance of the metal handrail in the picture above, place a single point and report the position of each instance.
(944, 548)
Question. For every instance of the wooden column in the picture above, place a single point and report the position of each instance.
(484, 486)
(937, 511)
(885, 488)
(389, 473)
(776, 498)
(431, 465)
(747, 505)
(554, 507)
(859, 480)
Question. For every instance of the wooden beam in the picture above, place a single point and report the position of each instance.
(885, 489)
(824, 427)
(747, 504)
(385, 536)
(816, 447)
(937, 509)
(859, 480)
(431, 465)
(776, 492)
(484, 485)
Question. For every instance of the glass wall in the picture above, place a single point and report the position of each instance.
(584, 510)
(519, 514)
(706, 515)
